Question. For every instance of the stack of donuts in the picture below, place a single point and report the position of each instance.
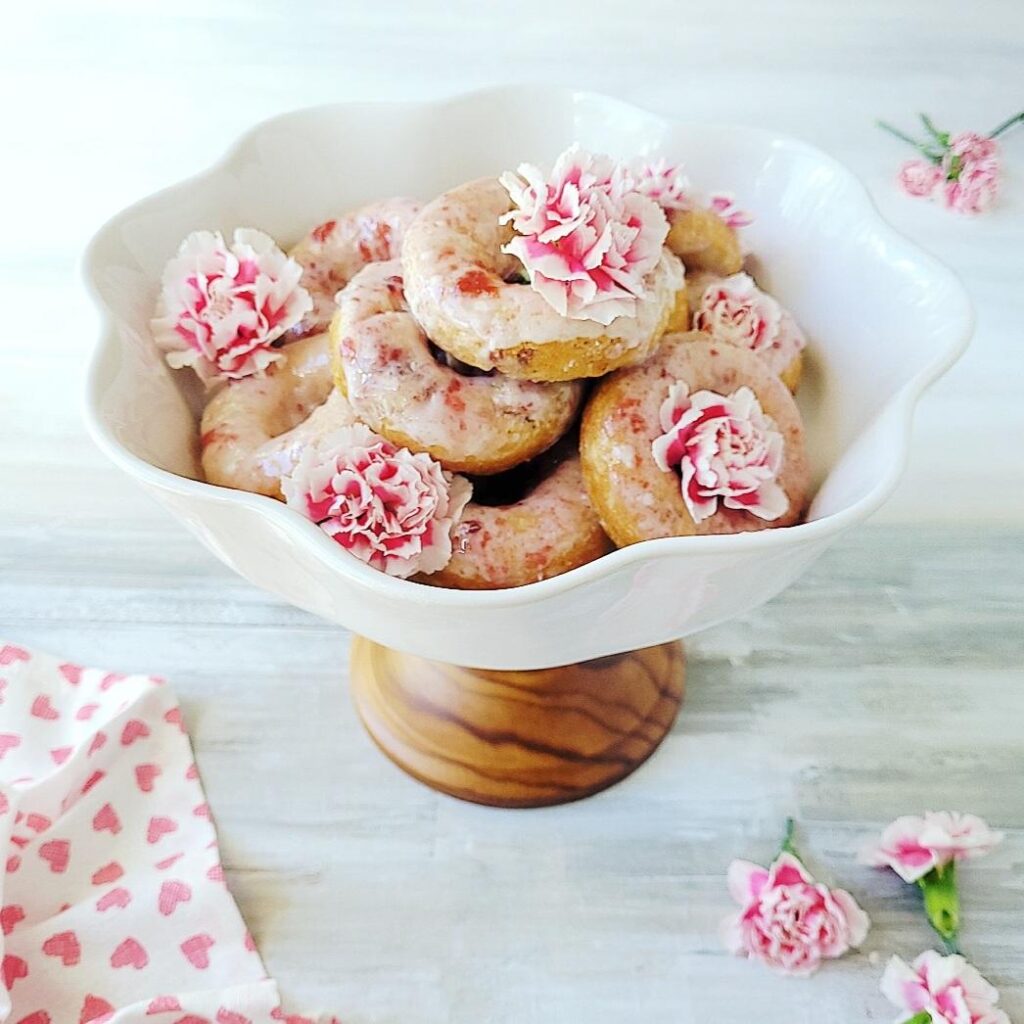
(504, 383)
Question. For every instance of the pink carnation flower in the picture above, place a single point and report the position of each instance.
(975, 187)
(913, 845)
(724, 204)
(390, 508)
(724, 446)
(947, 988)
(920, 177)
(787, 919)
(971, 147)
(737, 311)
(663, 182)
(587, 240)
(222, 307)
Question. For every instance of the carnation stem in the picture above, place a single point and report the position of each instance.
(787, 839)
(942, 138)
(921, 147)
(924, 1017)
(942, 903)
(1008, 124)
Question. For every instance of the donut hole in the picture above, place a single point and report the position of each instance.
(443, 358)
(514, 485)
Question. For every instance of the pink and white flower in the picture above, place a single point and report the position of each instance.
(724, 447)
(975, 187)
(663, 182)
(787, 919)
(222, 307)
(971, 147)
(390, 508)
(735, 310)
(587, 240)
(920, 177)
(913, 845)
(946, 988)
(724, 204)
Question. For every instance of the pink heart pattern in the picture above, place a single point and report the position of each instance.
(112, 848)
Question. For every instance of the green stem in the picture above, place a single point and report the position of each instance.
(1007, 125)
(921, 147)
(942, 903)
(942, 138)
(787, 839)
(924, 1017)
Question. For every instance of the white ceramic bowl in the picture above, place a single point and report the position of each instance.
(884, 320)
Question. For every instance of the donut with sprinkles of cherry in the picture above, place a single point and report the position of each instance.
(493, 386)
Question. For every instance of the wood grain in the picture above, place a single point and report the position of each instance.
(518, 739)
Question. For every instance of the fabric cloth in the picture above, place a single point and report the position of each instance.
(113, 904)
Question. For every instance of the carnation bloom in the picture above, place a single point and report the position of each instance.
(222, 307)
(975, 187)
(735, 310)
(390, 508)
(787, 919)
(724, 447)
(919, 177)
(587, 239)
(913, 845)
(946, 988)
(724, 204)
(663, 182)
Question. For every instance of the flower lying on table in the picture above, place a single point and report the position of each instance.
(960, 170)
(787, 919)
(940, 989)
(925, 850)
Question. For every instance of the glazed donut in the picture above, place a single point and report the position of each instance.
(703, 241)
(469, 297)
(735, 310)
(523, 526)
(478, 424)
(335, 251)
(253, 429)
(638, 500)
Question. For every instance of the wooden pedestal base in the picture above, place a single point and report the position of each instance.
(518, 739)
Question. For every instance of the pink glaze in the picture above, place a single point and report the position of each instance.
(336, 250)
(397, 386)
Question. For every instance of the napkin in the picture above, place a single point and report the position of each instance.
(113, 904)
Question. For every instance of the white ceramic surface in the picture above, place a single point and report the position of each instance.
(884, 319)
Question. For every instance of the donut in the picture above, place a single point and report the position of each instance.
(470, 422)
(471, 299)
(526, 525)
(253, 429)
(336, 250)
(635, 497)
(703, 241)
(735, 310)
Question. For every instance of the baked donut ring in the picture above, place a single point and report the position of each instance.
(703, 241)
(526, 525)
(335, 251)
(478, 424)
(636, 499)
(735, 310)
(471, 301)
(253, 429)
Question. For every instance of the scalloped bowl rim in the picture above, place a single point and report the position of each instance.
(310, 536)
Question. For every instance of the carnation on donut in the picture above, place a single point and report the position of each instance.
(735, 310)
(222, 307)
(701, 439)
(544, 279)
(389, 508)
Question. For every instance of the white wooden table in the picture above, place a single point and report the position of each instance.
(887, 681)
